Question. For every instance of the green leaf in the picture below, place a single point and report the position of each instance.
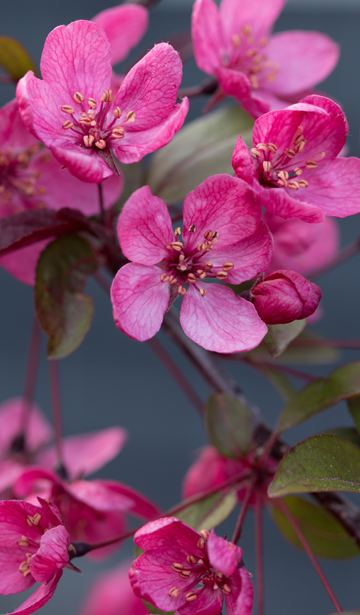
(279, 337)
(228, 425)
(202, 148)
(322, 531)
(300, 355)
(14, 59)
(348, 433)
(319, 463)
(354, 409)
(282, 384)
(321, 394)
(210, 512)
(64, 313)
(154, 611)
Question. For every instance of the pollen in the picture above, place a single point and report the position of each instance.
(101, 144)
(177, 567)
(202, 292)
(67, 109)
(192, 228)
(190, 596)
(68, 124)
(92, 103)
(79, 98)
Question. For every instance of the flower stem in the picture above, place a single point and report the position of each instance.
(259, 553)
(309, 552)
(243, 511)
(29, 382)
(101, 204)
(56, 412)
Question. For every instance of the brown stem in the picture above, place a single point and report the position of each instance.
(284, 369)
(101, 204)
(259, 553)
(56, 413)
(244, 508)
(342, 256)
(310, 554)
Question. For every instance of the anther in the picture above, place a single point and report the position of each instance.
(177, 231)
(215, 586)
(177, 567)
(67, 109)
(208, 235)
(181, 290)
(190, 596)
(262, 146)
(26, 573)
(293, 185)
(164, 277)
(226, 589)
(184, 574)
(202, 275)
(105, 96)
(36, 519)
(255, 151)
(191, 278)
(267, 166)
(181, 257)
(228, 266)
(88, 140)
(246, 30)
(130, 116)
(272, 147)
(311, 164)
(300, 146)
(205, 534)
(201, 543)
(298, 171)
(192, 228)
(86, 121)
(100, 144)
(303, 183)
(118, 133)
(201, 561)
(117, 112)
(181, 267)
(177, 245)
(191, 559)
(23, 542)
(284, 175)
(202, 292)
(68, 124)
(219, 576)
(215, 235)
(290, 153)
(79, 98)
(236, 40)
(254, 82)
(30, 520)
(92, 103)
(173, 592)
(221, 275)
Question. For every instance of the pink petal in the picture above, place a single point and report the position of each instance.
(207, 471)
(12, 580)
(304, 59)
(31, 476)
(141, 506)
(77, 58)
(86, 453)
(168, 532)
(144, 228)
(52, 556)
(13, 132)
(13, 523)
(139, 300)
(40, 597)
(96, 495)
(221, 321)
(223, 555)
(243, 163)
(111, 592)
(235, 83)
(85, 164)
(245, 600)
(209, 602)
(136, 144)
(150, 88)
(207, 37)
(223, 204)
(259, 15)
(250, 256)
(38, 432)
(22, 263)
(9, 473)
(279, 202)
(124, 26)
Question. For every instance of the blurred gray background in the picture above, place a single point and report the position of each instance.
(113, 380)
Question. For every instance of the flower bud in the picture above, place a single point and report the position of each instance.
(285, 296)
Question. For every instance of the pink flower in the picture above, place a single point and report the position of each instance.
(285, 296)
(31, 178)
(73, 112)
(112, 593)
(261, 71)
(212, 469)
(93, 511)
(34, 547)
(223, 239)
(177, 559)
(294, 165)
(300, 246)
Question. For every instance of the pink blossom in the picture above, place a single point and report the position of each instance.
(31, 178)
(73, 112)
(301, 246)
(212, 469)
(34, 547)
(262, 71)
(223, 239)
(112, 593)
(177, 559)
(93, 511)
(285, 296)
(294, 165)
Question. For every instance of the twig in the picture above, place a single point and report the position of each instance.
(56, 412)
(343, 255)
(284, 369)
(244, 508)
(259, 553)
(101, 204)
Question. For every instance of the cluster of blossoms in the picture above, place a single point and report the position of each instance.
(268, 225)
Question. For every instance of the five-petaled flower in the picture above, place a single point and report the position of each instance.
(223, 239)
(34, 547)
(262, 72)
(177, 559)
(295, 165)
(74, 113)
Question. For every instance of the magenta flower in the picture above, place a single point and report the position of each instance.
(261, 71)
(177, 559)
(294, 165)
(73, 112)
(285, 296)
(34, 547)
(111, 593)
(31, 178)
(300, 246)
(223, 239)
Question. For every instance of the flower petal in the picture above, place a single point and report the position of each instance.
(221, 321)
(95, 494)
(13, 133)
(14, 525)
(52, 555)
(21, 264)
(223, 204)
(209, 470)
(235, 83)
(244, 164)
(168, 532)
(206, 29)
(40, 596)
(304, 59)
(144, 228)
(279, 202)
(223, 555)
(209, 602)
(141, 506)
(139, 300)
(255, 13)
(12, 580)
(124, 26)
(240, 600)
(38, 432)
(85, 164)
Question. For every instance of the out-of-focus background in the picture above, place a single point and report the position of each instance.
(113, 380)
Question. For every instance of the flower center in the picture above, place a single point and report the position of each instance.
(25, 542)
(95, 128)
(206, 575)
(18, 176)
(276, 168)
(185, 267)
(248, 57)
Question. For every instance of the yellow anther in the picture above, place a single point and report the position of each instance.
(178, 231)
(192, 228)
(130, 116)
(228, 266)
(67, 109)
(79, 98)
(293, 185)
(101, 144)
(68, 124)
(202, 292)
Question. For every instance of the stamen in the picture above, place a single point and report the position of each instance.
(303, 183)
(177, 245)
(272, 147)
(177, 231)
(68, 124)
(100, 144)
(86, 121)
(254, 82)
(219, 576)
(215, 586)
(117, 113)
(191, 559)
(181, 267)
(267, 166)
(246, 30)
(300, 146)
(236, 40)
(118, 132)
(215, 235)
(190, 596)
(177, 567)
(191, 278)
(88, 140)
(202, 292)
(201, 545)
(67, 109)
(173, 592)
(164, 277)
(36, 519)
(228, 266)
(293, 185)
(92, 103)
(290, 153)
(79, 98)
(284, 175)
(208, 235)
(23, 542)
(205, 534)
(181, 290)
(130, 116)
(184, 574)
(255, 152)
(226, 589)
(192, 228)
(202, 275)
(311, 164)
(221, 275)
(298, 171)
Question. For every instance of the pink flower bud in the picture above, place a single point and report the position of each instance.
(285, 296)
